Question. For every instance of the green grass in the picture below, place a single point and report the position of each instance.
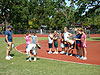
(93, 39)
(19, 66)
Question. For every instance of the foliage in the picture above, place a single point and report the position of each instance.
(53, 13)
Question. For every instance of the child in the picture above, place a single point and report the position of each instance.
(71, 44)
(78, 44)
(83, 45)
(50, 41)
(34, 41)
(27, 38)
(62, 43)
(66, 37)
(55, 38)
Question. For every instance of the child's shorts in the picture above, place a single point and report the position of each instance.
(62, 45)
(56, 44)
(66, 45)
(78, 45)
(50, 45)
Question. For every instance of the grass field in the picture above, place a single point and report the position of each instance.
(19, 66)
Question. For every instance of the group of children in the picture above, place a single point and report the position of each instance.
(31, 45)
(68, 45)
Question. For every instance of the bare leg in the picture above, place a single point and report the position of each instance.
(84, 52)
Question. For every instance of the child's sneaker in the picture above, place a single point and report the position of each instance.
(7, 58)
(71, 54)
(34, 58)
(66, 54)
(49, 52)
(62, 52)
(81, 57)
(29, 59)
(56, 52)
(84, 58)
(10, 57)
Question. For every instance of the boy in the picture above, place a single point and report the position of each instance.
(50, 41)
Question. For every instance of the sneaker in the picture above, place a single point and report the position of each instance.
(62, 52)
(77, 56)
(84, 58)
(49, 52)
(71, 54)
(56, 52)
(29, 59)
(7, 58)
(66, 54)
(81, 57)
(10, 57)
(34, 58)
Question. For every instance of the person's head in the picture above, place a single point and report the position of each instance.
(55, 32)
(27, 33)
(10, 27)
(65, 29)
(49, 32)
(83, 31)
(34, 33)
(78, 32)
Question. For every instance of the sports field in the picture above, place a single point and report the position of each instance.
(19, 66)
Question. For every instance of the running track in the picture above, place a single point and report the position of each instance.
(93, 53)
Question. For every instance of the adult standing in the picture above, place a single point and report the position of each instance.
(9, 41)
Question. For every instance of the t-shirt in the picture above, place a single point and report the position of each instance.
(34, 39)
(71, 41)
(50, 40)
(83, 37)
(78, 36)
(66, 36)
(27, 39)
(9, 33)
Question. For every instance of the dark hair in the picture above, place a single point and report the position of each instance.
(34, 32)
(82, 30)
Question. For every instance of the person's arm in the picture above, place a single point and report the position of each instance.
(7, 38)
(69, 34)
(37, 39)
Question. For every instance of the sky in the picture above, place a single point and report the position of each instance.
(68, 3)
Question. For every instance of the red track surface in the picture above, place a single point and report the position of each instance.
(93, 53)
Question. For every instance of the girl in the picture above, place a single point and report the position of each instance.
(27, 38)
(83, 45)
(55, 38)
(62, 42)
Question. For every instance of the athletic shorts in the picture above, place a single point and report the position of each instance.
(50, 45)
(78, 45)
(66, 45)
(62, 45)
(55, 44)
(9, 46)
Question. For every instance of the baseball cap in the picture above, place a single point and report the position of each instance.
(9, 26)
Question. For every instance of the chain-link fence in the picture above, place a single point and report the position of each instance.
(47, 31)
